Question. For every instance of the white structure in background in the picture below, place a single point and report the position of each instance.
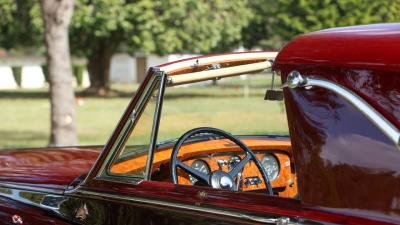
(6, 78)
(124, 69)
(154, 60)
(32, 77)
(85, 80)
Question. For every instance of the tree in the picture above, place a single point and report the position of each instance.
(20, 26)
(278, 21)
(199, 26)
(101, 27)
(260, 31)
(56, 16)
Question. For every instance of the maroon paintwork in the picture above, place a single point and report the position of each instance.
(55, 167)
(261, 203)
(365, 59)
(344, 163)
(30, 215)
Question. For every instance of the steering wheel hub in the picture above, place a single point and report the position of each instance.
(225, 182)
(222, 180)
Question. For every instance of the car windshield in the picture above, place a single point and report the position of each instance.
(234, 104)
(246, 128)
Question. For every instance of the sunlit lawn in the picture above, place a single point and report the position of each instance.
(24, 114)
(25, 122)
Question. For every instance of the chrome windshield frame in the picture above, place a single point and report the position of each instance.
(123, 135)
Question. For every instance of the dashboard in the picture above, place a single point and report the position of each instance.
(275, 156)
(276, 163)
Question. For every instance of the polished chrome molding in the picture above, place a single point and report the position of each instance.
(295, 79)
(27, 187)
(215, 211)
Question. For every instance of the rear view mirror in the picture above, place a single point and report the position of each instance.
(273, 95)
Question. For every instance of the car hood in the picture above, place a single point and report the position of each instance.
(46, 167)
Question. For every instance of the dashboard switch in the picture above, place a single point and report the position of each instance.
(222, 163)
(251, 181)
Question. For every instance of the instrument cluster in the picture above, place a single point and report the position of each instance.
(268, 161)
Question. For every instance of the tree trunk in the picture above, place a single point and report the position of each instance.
(56, 16)
(99, 68)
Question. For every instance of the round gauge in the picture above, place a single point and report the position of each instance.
(271, 166)
(201, 166)
(233, 161)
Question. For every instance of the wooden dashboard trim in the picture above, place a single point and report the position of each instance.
(192, 149)
(280, 149)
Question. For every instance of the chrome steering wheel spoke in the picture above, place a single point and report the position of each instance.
(197, 174)
(239, 167)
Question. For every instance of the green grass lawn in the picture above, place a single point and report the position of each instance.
(25, 122)
(24, 114)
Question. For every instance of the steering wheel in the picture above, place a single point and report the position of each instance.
(217, 178)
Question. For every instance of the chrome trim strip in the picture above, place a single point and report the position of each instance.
(31, 188)
(105, 196)
(295, 79)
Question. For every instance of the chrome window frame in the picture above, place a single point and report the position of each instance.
(157, 81)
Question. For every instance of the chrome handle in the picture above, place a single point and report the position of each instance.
(295, 79)
(276, 221)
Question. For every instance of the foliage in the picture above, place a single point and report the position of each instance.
(102, 27)
(45, 70)
(260, 30)
(199, 26)
(142, 25)
(21, 26)
(105, 23)
(157, 26)
(78, 71)
(17, 74)
(277, 21)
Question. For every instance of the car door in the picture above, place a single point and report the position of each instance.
(152, 202)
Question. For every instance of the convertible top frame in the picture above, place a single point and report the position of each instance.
(253, 62)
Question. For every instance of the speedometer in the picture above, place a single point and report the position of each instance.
(201, 166)
(271, 166)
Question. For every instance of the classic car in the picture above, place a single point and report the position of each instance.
(338, 165)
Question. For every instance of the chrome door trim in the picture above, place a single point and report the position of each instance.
(238, 215)
(295, 79)
(28, 187)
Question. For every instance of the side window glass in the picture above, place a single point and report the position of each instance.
(132, 158)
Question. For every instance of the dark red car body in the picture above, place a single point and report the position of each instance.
(348, 170)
